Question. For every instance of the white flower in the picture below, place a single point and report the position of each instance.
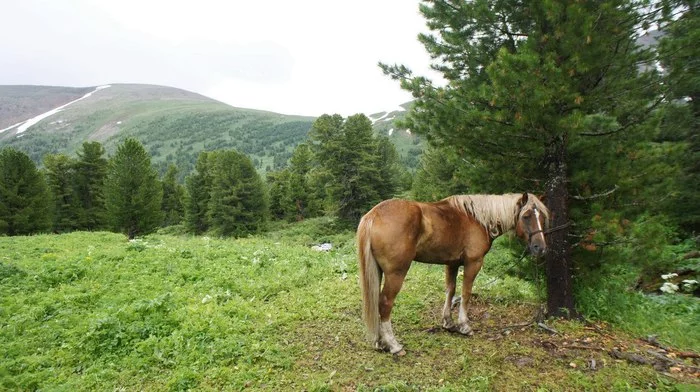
(669, 276)
(669, 287)
(207, 298)
(689, 285)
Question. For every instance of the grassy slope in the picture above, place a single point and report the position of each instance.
(173, 124)
(91, 311)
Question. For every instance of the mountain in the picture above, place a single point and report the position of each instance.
(408, 145)
(173, 124)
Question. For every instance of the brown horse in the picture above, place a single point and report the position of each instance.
(455, 231)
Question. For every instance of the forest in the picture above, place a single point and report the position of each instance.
(559, 98)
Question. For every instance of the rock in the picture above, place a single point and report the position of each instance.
(325, 247)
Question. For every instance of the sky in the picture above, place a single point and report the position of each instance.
(303, 57)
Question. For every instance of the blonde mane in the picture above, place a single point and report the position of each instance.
(496, 213)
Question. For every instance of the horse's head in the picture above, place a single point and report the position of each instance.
(533, 218)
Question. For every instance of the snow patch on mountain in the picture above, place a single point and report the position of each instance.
(24, 125)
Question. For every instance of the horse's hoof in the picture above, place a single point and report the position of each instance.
(450, 326)
(400, 353)
(466, 330)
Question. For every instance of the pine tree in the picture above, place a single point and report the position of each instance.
(441, 173)
(173, 196)
(90, 174)
(280, 195)
(529, 84)
(60, 174)
(198, 186)
(300, 195)
(133, 192)
(679, 53)
(389, 167)
(237, 205)
(24, 197)
(348, 151)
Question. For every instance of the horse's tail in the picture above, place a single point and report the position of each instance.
(369, 278)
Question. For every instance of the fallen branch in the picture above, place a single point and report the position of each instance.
(548, 329)
(630, 357)
(651, 339)
(687, 354)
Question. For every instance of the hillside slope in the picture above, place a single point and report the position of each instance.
(408, 145)
(174, 125)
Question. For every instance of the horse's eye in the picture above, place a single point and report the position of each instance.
(527, 216)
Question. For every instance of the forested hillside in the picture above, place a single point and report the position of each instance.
(174, 125)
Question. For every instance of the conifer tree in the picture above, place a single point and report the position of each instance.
(279, 193)
(198, 187)
(348, 151)
(133, 193)
(441, 173)
(24, 197)
(300, 195)
(173, 196)
(60, 174)
(679, 53)
(389, 168)
(528, 83)
(237, 204)
(90, 174)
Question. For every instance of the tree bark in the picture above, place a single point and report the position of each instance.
(560, 297)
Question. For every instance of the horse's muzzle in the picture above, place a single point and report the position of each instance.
(537, 250)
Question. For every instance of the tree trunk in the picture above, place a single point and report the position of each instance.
(560, 297)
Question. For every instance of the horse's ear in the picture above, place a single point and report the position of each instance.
(543, 198)
(523, 200)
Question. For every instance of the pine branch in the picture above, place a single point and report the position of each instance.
(631, 123)
(598, 195)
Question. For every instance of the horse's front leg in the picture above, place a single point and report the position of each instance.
(450, 286)
(471, 269)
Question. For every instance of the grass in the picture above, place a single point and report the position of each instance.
(92, 311)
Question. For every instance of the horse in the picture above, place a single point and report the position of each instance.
(455, 231)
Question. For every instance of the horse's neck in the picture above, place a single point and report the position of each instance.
(493, 212)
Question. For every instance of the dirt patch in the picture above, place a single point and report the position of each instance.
(508, 352)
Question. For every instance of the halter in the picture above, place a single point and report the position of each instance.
(537, 218)
(539, 225)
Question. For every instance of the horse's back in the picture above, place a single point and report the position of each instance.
(396, 226)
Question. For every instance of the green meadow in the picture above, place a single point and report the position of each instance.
(93, 311)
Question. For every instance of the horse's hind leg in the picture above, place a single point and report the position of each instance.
(471, 269)
(450, 286)
(392, 285)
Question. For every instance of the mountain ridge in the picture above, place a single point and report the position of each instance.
(173, 124)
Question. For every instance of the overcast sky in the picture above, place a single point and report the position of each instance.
(304, 57)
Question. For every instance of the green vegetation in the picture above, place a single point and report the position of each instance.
(558, 98)
(173, 198)
(237, 200)
(89, 182)
(133, 194)
(24, 197)
(555, 98)
(60, 176)
(92, 311)
(173, 125)
(225, 196)
(362, 169)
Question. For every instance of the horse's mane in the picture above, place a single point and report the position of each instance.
(497, 213)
